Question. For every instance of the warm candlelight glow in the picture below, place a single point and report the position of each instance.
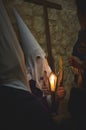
(52, 80)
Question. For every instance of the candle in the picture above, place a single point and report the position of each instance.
(52, 83)
(53, 80)
(60, 74)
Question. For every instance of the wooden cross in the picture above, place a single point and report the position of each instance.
(47, 4)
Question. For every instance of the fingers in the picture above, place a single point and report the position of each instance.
(74, 61)
(60, 89)
(60, 92)
(71, 61)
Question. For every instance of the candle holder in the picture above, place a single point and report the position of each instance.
(54, 104)
(53, 88)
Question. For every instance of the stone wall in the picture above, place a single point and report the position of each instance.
(63, 30)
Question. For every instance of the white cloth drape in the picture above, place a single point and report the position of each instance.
(12, 63)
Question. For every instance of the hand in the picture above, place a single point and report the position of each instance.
(60, 93)
(77, 67)
(75, 62)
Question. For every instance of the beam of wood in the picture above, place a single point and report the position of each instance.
(48, 4)
(47, 31)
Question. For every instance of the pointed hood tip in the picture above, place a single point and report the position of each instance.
(29, 43)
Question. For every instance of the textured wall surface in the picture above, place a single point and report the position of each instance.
(63, 31)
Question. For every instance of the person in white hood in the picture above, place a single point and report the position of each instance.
(16, 101)
(35, 57)
(19, 108)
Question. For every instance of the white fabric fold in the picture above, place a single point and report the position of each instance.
(12, 63)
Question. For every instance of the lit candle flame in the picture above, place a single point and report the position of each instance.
(52, 80)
